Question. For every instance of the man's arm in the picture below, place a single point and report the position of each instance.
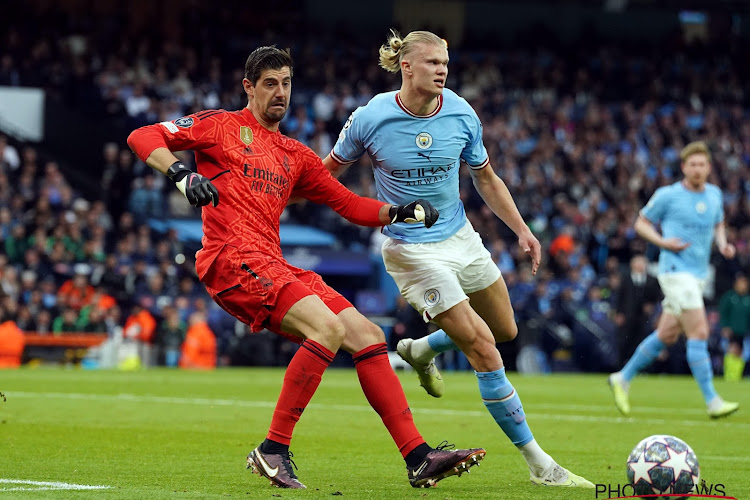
(317, 185)
(495, 194)
(720, 234)
(335, 168)
(648, 232)
(160, 159)
(154, 145)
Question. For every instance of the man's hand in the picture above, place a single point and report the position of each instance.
(727, 251)
(197, 189)
(674, 244)
(414, 212)
(531, 247)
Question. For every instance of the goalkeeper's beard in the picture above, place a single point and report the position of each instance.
(274, 115)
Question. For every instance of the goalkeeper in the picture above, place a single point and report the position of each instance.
(247, 171)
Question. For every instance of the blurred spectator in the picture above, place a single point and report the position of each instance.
(66, 322)
(92, 320)
(141, 328)
(199, 347)
(734, 311)
(11, 343)
(637, 299)
(76, 292)
(146, 200)
(169, 337)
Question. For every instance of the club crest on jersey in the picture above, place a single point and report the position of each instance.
(431, 297)
(184, 122)
(246, 135)
(424, 140)
(700, 207)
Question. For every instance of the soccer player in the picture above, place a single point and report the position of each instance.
(417, 138)
(691, 216)
(246, 172)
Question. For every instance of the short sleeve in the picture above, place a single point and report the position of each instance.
(656, 206)
(350, 146)
(720, 211)
(474, 153)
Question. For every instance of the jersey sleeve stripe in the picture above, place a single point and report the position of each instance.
(481, 165)
(340, 160)
(210, 115)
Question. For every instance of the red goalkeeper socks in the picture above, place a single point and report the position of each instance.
(383, 390)
(301, 380)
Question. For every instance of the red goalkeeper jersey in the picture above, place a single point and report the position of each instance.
(255, 172)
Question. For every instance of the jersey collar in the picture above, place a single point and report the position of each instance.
(249, 116)
(401, 105)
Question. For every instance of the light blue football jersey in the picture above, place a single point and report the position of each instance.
(416, 157)
(690, 216)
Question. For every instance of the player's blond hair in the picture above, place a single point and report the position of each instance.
(697, 147)
(392, 52)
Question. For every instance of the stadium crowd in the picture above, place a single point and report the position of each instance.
(581, 137)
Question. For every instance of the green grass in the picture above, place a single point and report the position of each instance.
(170, 434)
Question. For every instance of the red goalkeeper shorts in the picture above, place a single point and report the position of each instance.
(259, 289)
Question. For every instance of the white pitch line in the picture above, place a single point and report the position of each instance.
(48, 485)
(536, 415)
(609, 408)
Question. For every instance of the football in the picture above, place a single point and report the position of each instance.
(662, 465)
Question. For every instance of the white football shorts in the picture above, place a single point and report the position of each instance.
(433, 277)
(682, 291)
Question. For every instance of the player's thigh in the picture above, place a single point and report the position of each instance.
(669, 328)
(494, 307)
(426, 274)
(464, 326)
(472, 335)
(481, 280)
(310, 318)
(316, 319)
(694, 323)
(360, 331)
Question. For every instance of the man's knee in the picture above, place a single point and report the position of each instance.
(508, 333)
(484, 356)
(331, 330)
(364, 334)
(371, 333)
(668, 336)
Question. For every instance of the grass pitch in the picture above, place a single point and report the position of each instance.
(163, 434)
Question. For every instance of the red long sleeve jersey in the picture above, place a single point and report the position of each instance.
(255, 172)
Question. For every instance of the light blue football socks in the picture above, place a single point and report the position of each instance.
(700, 365)
(503, 403)
(644, 355)
(439, 341)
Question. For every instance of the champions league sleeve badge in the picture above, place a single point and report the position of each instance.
(184, 122)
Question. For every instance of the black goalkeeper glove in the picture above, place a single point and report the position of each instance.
(197, 189)
(414, 212)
